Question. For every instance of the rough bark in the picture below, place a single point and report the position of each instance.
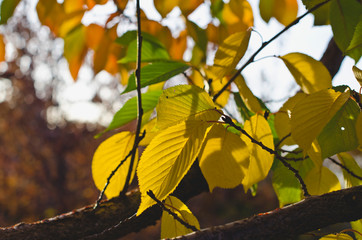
(86, 223)
(287, 223)
(102, 223)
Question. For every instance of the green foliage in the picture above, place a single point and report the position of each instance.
(7, 9)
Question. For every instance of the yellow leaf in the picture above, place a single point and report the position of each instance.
(238, 16)
(285, 11)
(106, 158)
(170, 227)
(350, 163)
(224, 158)
(260, 160)
(339, 236)
(315, 154)
(179, 103)
(170, 155)
(248, 97)
(357, 225)
(311, 75)
(216, 85)
(359, 130)
(2, 48)
(358, 74)
(229, 53)
(321, 180)
(282, 118)
(151, 132)
(51, 14)
(311, 114)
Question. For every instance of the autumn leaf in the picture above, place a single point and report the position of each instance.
(260, 160)
(321, 180)
(170, 155)
(310, 74)
(106, 158)
(311, 115)
(229, 53)
(224, 158)
(170, 227)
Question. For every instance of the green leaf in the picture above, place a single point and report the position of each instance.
(339, 135)
(170, 155)
(354, 49)
(129, 110)
(7, 9)
(155, 73)
(152, 48)
(310, 74)
(285, 184)
(170, 227)
(344, 16)
(198, 35)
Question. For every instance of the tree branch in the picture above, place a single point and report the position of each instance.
(287, 223)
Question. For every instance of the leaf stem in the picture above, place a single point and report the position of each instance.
(251, 59)
(139, 99)
(345, 168)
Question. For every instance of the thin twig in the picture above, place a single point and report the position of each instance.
(345, 168)
(174, 215)
(251, 59)
(283, 139)
(139, 99)
(229, 121)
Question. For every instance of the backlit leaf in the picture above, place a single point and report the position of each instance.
(170, 155)
(155, 73)
(129, 110)
(75, 49)
(310, 74)
(178, 46)
(229, 53)
(354, 50)
(106, 158)
(358, 74)
(179, 103)
(266, 8)
(170, 227)
(285, 11)
(188, 6)
(51, 14)
(311, 115)
(7, 9)
(152, 48)
(357, 225)
(350, 163)
(321, 180)
(260, 160)
(165, 6)
(2, 48)
(248, 97)
(282, 118)
(285, 184)
(224, 158)
(339, 135)
(198, 35)
(344, 17)
(237, 15)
